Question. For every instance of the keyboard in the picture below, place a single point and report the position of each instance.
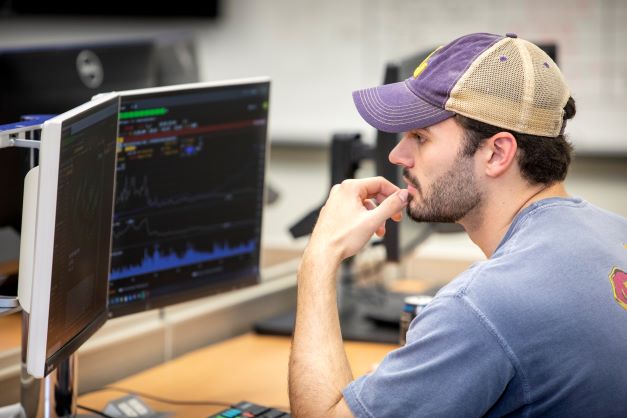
(249, 410)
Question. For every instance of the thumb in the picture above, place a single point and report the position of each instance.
(393, 204)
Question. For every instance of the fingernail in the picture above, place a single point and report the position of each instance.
(402, 194)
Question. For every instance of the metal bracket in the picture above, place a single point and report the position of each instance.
(18, 142)
(19, 137)
(24, 134)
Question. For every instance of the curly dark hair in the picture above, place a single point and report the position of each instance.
(542, 160)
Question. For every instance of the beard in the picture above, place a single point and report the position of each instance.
(451, 196)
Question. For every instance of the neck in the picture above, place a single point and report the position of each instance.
(487, 227)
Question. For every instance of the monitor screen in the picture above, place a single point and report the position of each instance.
(57, 77)
(72, 244)
(190, 177)
(208, 9)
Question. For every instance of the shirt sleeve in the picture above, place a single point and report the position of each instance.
(453, 365)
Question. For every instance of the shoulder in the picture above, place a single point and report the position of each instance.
(559, 221)
(448, 345)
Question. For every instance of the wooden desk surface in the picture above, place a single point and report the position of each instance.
(250, 367)
(10, 331)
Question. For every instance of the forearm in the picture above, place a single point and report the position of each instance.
(319, 369)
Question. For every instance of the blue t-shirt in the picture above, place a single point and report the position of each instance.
(539, 329)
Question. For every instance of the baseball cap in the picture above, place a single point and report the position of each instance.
(503, 81)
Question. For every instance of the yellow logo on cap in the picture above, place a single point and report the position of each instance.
(424, 63)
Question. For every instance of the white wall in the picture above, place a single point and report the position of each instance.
(318, 52)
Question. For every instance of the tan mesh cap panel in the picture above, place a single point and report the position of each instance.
(513, 85)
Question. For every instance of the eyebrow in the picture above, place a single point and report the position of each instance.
(422, 130)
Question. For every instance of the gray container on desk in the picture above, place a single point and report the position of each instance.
(413, 306)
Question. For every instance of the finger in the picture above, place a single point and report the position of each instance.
(390, 206)
(373, 186)
(380, 197)
(369, 204)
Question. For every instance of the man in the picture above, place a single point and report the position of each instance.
(537, 329)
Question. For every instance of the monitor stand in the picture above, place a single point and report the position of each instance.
(366, 314)
(358, 324)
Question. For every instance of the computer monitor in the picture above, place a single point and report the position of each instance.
(71, 243)
(400, 237)
(57, 77)
(53, 78)
(139, 9)
(190, 187)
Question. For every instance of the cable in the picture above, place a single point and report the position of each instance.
(165, 400)
(175, 402)
(95, 411)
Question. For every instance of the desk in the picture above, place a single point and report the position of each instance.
(250, 367)
(10, 331)
(9, 267)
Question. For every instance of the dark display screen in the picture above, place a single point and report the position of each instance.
(189, 196)
(82, 234)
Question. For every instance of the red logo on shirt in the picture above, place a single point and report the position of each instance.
(618, 278)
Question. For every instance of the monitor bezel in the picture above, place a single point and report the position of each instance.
(38, 362)
(188, 86)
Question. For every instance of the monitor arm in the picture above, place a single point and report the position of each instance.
(26, 135)
(347, 153)
(23, 135)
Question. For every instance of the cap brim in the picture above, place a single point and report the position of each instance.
(395, 108)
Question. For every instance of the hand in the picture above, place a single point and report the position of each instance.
(354, 211)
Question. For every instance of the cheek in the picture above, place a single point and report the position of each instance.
(427, 172)
(432, 172)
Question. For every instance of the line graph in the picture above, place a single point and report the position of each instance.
(156, 260)
(144, 227)
(138, 196)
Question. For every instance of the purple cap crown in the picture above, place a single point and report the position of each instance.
(504, 81)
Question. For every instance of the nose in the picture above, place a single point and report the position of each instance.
(401, 154)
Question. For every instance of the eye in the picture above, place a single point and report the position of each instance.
(417, 137)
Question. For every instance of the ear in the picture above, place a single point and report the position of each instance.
(499, 152)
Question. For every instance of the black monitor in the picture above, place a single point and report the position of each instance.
(208, 9)
(54, 78)
(189, 197)
(405, 235)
